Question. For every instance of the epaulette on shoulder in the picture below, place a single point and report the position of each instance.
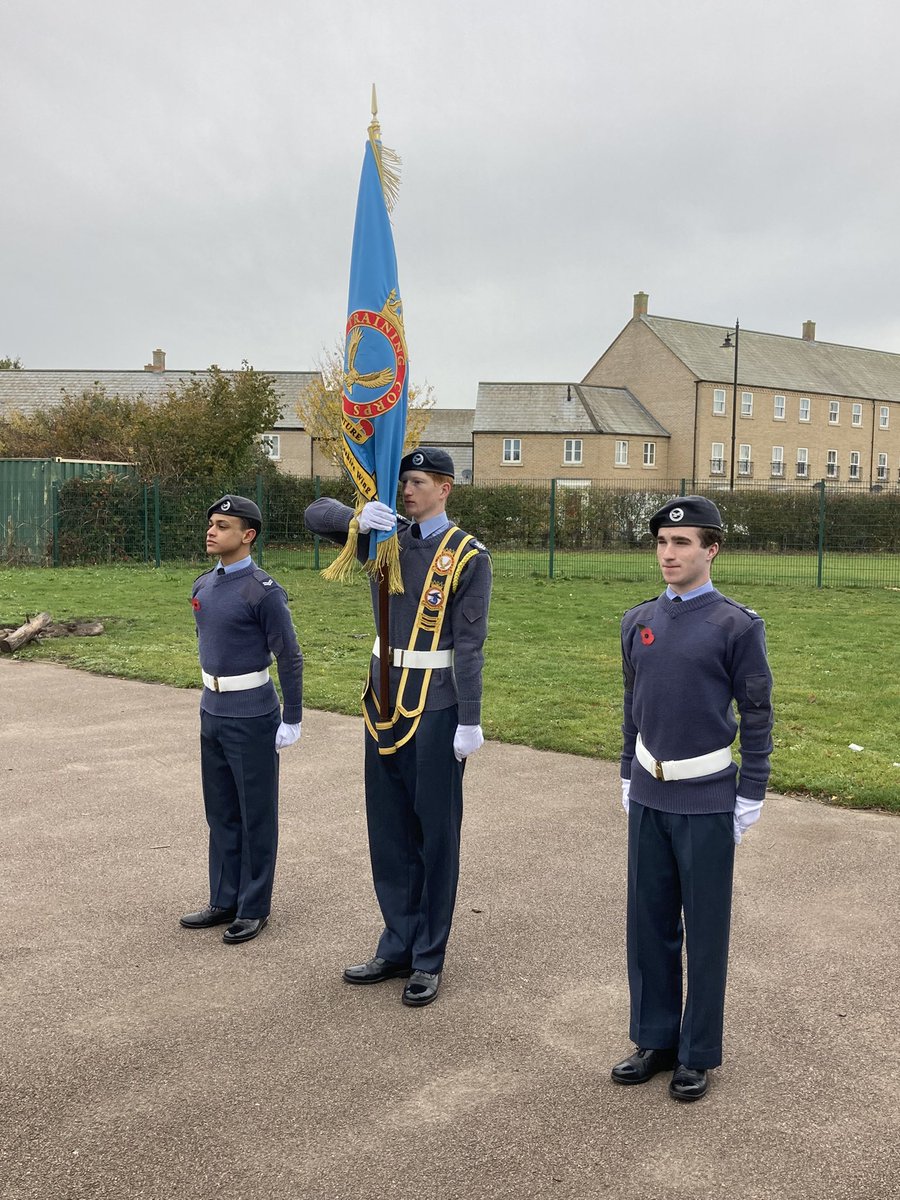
(751, 612)
(640, 604)
(264, 578)
(208, 571)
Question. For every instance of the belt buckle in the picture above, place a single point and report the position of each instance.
(215, 683)
(658, 770)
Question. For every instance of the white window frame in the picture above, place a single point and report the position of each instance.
(745, 459)
(512, 452)
(802, 462)
(778, 462)
(834, 412)
(717, 458)
(271, 445)
(884, 417)
(573, 452)
(718, 407)
(746, 404)
(856, 416)
(854, 465)
(803, 412)
(649, 454)
(832, 467)
(621, 454)
(882, 469)
(778, 410)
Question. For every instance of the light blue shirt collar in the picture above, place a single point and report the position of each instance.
(240, 565)
(434, 525)
(691, 595)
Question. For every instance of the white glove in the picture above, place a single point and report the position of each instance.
(468, 739)
(375, 515)
(626, 788)
(746, 813)
(286, 736)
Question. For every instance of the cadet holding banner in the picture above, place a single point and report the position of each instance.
(414, 762)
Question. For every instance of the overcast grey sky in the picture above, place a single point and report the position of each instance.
(183, 174)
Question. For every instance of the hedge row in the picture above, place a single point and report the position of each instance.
(115, 519)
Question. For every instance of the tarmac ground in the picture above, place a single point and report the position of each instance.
(144, 1061)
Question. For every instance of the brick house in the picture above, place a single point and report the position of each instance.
(565, 431)
(805, 409)
(288, 444)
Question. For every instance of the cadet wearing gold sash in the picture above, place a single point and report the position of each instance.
(414, 763)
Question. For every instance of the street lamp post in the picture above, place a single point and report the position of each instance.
(727, 344)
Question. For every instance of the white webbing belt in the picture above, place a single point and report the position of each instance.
(683, 768)
(422, 659)
(235, 683)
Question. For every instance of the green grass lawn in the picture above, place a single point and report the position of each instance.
(552, 676)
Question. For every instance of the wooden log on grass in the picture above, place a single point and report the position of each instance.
(24, 634)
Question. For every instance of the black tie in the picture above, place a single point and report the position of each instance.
(220, 570)
(676, 599)
(415, 531)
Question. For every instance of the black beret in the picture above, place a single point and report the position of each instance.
(428, 458)
(695, 511)
(237, 506)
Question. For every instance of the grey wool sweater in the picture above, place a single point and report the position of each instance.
(686, 667)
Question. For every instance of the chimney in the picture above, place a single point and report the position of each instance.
(641, 300)
(159, 362)
(809, 331)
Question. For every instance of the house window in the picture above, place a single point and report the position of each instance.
(717, 459)
(744, 465)
(649, 454)
(718, 402)
(804, 408)
(271, 445)
(856, 417)
(831, 464)
(746, 404)
(621, 454)
(512, 451)
(779, 408)
(882, 466)
(802, 462)
(834, 412)
(854, 464)
(777, 461)
(572, 451)
(883, 417)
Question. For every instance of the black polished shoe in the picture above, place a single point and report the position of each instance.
(244, 929)
(688, 1084)
(421, 989)
(207, 917)
(376, 970)
(643, 1065)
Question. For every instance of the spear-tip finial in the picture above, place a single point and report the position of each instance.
(374, 103)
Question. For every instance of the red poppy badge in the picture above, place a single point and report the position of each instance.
(646, 635)
(195, 604)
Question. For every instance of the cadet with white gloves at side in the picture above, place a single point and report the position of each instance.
(414, 791)
(243, 622)
(687, 657)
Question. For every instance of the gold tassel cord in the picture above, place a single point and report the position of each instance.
(387, 558)
(342, 567)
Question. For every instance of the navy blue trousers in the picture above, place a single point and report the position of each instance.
(679, 864)
(239, 770)
(414, 814)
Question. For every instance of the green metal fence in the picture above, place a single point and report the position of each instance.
(817, 534)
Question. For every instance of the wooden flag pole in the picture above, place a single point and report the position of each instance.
(386, 650)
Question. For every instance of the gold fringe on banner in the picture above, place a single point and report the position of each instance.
(387, 559)
(342, 567)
